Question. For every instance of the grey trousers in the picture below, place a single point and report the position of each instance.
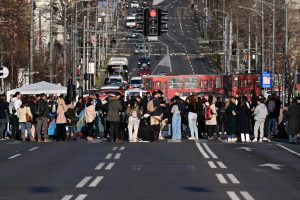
(259, 125)
(42, 124)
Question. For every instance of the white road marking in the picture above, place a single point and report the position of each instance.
(246, 195)
(290, 150)
(96, 181)
(212, 164)
(221, 164)
(115, 148)
(67, 197)
(122, 148)
(117, 156)
(233, 179)
(14, 156)
(34, 148)
(82, 183)
(99, 166)
(202, 150)
(81, 197)
(232, 195)
(213, 155)
(109, 166)
(221, 178)
(108, 156)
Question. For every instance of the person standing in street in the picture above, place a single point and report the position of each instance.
(244, 115)
(14, 120)
(61, 120)
(260, 115)
(113, 117)
(25, 119)
(89, 116)
(176, 120)
(42, 114)
(4, 107)
(231, 110)
(133, 114)
(192, 117)
(211, 123)
(293, 120)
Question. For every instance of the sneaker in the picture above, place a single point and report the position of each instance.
(191, 138)
(254, 140)
(260, 140)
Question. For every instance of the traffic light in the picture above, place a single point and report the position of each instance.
(141, 22)
(152, 22)
(1, 71)
(162, 21)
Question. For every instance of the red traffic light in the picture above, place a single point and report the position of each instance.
(153, 13)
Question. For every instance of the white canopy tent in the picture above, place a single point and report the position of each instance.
(38, 88)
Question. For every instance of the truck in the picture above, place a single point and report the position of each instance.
(118, 66)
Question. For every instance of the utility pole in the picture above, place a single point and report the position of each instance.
(262, 39)
(225, 45)
(51, 43)
(65, 46)
(31, 40)
(273, 45)
(237, 45)
(84, 54)
(249, 47)
(286, 66)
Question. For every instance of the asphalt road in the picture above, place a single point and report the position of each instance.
(161, 170)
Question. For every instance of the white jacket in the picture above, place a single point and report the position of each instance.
(261, 112)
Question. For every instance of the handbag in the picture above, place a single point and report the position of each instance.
(28, 118)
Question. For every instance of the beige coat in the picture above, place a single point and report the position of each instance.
(213, 120)
(89, 114)
(61, 109)
(21, 113)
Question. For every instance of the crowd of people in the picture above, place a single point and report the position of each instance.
(149, 118)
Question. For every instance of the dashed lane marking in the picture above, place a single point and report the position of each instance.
(108, 156)
(67, 197)
(212, 164)
(221, 164)
(115, 148)
(205, 155)
(213, 155)
(99, 166)
(96, 181)
(34, 148)
(246, 195)
(122, 148)
(109, 166)
(81, 197)
(117, 156)
(221, 179)
(14, 156)
(233, 179)
(289, 150)
(232, 195)
(84, 181)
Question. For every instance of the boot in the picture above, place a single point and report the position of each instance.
(248, 138)
(243, 137)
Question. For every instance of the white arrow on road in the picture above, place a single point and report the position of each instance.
(246, 148)
(274, 166)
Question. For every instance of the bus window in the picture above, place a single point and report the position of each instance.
(201, 84)
(250, 83)
(148, 84)
(236, 82)
(212, 84)
(176, 83)
(258, 82)
(243, 83)
(218, 82)
(191, 83)
(205, 84)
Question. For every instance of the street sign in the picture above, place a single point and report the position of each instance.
(266, 80)
(4, 72)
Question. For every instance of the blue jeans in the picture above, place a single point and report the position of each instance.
(272, 126)
(176, 126)
(26, 126)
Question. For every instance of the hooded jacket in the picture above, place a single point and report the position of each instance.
(260, 112)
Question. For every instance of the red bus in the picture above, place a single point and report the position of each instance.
(192, 84)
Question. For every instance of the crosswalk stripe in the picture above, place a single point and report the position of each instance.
(99, 166)
(122, 148)
(205, 155)
(221, 164)
(213, 155)
(117, 156)
(212, 164)
(96, 181)
(82, 183)
(81, 197)
(67, 197)
(233, 179)
(221, 178)
(109, 166)
(108, 156)
(232, 195)
(246, 195)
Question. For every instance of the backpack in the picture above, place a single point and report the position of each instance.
(271, 106)
(150, 106)
(207, 113)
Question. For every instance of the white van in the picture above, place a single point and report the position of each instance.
(133, 93)
(136, 82)
(131, 21)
